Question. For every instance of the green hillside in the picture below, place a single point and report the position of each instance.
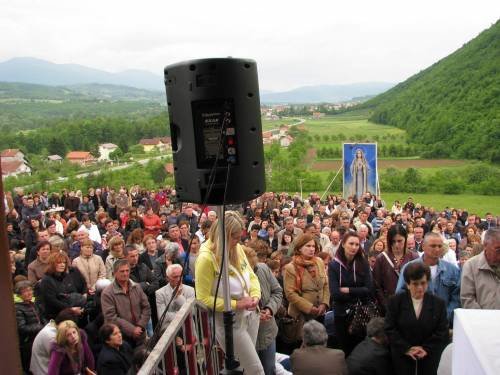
(26, 106)
(452, 108)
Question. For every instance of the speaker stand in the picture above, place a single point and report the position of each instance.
(230, 363)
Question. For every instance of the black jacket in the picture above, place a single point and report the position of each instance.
(404, 330)
(370, 358)
(144, 276)
(72, 203)
(360, 287)
(114, 362)
(134, 223)
(30, 239)
(145, 259)
(29, 321)
(56, 291)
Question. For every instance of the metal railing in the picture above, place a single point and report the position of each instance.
(185, 346)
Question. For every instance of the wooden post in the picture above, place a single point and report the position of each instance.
(9, 345)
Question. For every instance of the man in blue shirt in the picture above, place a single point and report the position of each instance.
(445, 277)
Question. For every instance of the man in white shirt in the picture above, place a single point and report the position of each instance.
(163, 295)
(334, 243)
(92, 229)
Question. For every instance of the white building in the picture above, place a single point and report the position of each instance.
(14, 168)
(286, 140)
(14, 162)
(105, 149)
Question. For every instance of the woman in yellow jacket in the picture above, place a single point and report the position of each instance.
(244, 288)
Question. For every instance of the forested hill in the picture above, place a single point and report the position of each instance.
(452, 107)
(29, 106)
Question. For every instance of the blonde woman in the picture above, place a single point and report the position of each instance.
(244, 286)
(115, 246)
(70, 353)
(90, 265)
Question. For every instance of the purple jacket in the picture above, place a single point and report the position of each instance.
(60, 363)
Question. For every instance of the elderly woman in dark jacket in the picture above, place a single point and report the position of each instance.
(29, 320)
(349, 280)
(170, 256)
(270, 301)
(389, 263)
(116, 355)
(62, 287)
(416, 324)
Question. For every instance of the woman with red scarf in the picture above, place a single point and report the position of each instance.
(305, 282)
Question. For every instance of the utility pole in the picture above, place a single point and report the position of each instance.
(300, 182)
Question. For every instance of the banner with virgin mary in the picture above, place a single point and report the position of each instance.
(360, 169)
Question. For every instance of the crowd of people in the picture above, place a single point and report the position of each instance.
(340, 286)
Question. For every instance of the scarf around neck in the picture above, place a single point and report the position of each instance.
(301, 265)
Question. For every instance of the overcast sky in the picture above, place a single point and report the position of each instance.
(295, 43)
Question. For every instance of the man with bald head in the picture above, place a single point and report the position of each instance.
(445, 277)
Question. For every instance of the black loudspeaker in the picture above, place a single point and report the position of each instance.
(216, 130)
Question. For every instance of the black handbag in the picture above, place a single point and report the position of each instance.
(359, 315)
(290, 329)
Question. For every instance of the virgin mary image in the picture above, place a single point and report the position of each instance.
(359, 173)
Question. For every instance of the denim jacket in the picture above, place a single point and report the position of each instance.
(446, 285)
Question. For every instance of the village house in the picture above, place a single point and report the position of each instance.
(14, 168)
(80, 157)
(283, 130)
(105, 150)
(55, 158)
(12, 154)
(14, 162)
(286, 140)
(160, 143)
(267, 137)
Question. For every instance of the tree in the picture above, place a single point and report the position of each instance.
(56, 146)
(116, 154)
(122, 144)
(157, 171)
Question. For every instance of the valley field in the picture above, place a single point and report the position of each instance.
(437, 182)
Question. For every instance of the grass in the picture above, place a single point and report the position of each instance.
(479, 204)
(351, 125)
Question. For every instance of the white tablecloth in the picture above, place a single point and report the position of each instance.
(476, 342)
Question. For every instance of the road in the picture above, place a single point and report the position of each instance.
(115, 168)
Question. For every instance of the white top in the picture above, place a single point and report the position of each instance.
(163, 296)
(40, 354)
(417, 306)
(450, 257)
(94, 234)
(434, 271)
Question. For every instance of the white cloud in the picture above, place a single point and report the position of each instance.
(295, 43)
